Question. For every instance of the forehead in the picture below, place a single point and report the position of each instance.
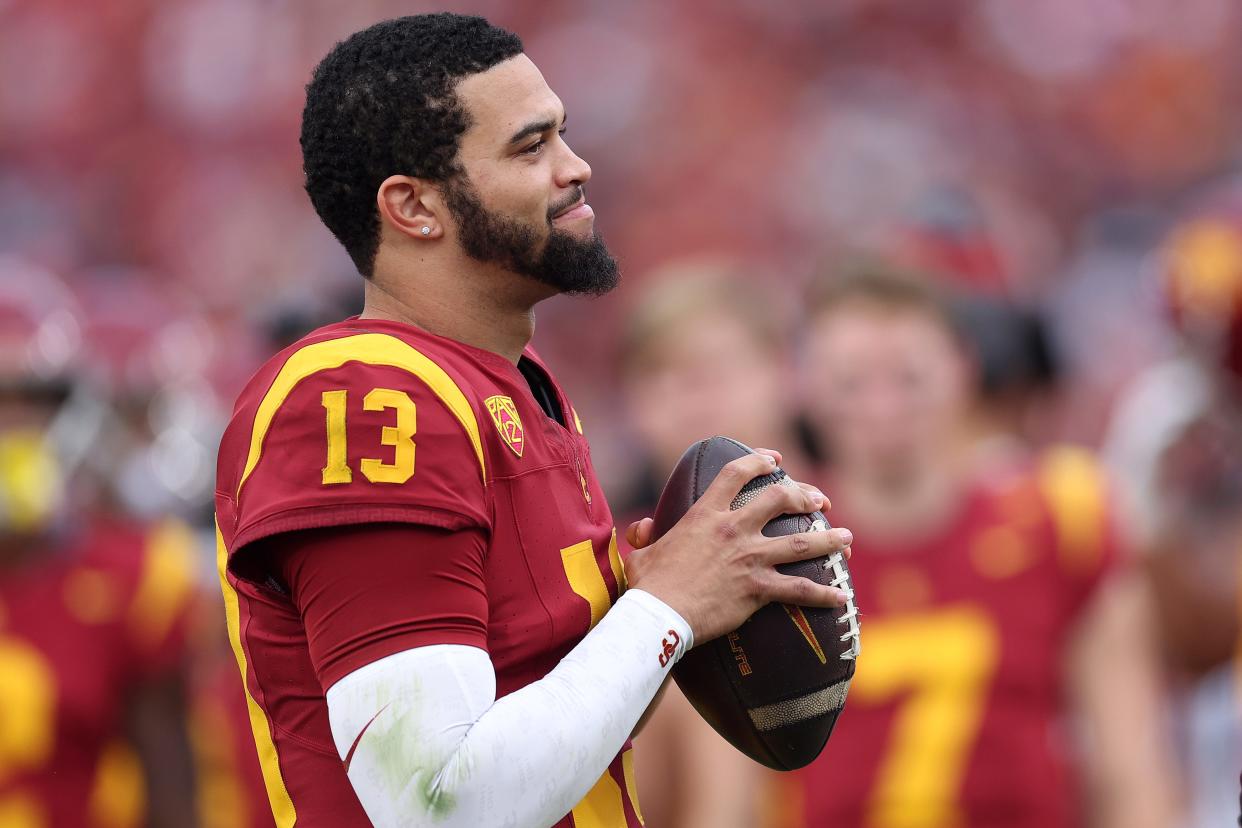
(506, 98)
(869, 328)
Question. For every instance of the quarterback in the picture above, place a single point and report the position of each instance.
(421, 574)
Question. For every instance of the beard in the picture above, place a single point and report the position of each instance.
(561, 260)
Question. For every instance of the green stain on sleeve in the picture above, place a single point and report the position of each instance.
(405, 763)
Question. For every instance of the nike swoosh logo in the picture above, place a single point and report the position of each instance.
(804, 626)
(349, 757)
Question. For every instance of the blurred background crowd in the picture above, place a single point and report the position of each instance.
(1063, 179)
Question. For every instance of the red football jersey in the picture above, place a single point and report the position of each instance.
(93, 616)
(372, 421)
(954, 716)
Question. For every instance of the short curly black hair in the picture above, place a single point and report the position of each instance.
(382, 103)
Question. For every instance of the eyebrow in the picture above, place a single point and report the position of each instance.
(537, 128)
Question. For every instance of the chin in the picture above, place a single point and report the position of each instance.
(582, 230)
(892, 471)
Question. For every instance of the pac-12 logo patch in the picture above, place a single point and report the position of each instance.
(508, 423)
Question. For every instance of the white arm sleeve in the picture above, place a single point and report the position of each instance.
(426, 742)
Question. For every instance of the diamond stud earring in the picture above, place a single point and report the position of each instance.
(426, 230)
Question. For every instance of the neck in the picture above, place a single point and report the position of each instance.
(916, 502)
(477, 304)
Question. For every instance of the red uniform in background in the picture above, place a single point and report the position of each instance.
(83, 623)
(229, 790)
(371, 422)
(954, 717)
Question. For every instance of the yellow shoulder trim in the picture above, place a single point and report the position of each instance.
(1072, 483)
(166, 583)
(277, 794)
(371, 349)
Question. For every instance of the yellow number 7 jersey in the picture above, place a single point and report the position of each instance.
(955, 707)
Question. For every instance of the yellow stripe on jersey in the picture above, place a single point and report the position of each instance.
(220, 799)
(165, 584)
(370, 349)
(631, 783)
(277, 794)
(585, 578)
(118, 797)
(618, 565)
(1073, 484)
(601, 807)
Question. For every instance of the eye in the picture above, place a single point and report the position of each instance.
(537, 147)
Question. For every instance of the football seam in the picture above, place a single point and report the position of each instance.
(695, 494)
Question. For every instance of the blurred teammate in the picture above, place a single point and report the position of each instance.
(421, 575)
(709, 344)
(151, 462)
(155, 356)
(706, 343)
(1007, 676)
(1176, 445)
(92, 610)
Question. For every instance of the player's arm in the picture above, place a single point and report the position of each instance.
(1112, 671)
(156, 716)
(1115, 686)
(400, 610)
(421, 730)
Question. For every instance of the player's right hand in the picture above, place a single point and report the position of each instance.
(716, 568)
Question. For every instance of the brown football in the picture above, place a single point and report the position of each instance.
(775, 686)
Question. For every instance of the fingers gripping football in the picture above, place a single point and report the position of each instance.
(732, 479)
(775, 501)
(716, 568)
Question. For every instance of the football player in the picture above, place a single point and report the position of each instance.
(93, 611)
(1176, 444)
(420, 571)
(1008, 676)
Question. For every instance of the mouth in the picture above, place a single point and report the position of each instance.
(579, 209)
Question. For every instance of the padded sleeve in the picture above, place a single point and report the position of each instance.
(426, 742)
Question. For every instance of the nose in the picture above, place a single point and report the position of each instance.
(573, 170)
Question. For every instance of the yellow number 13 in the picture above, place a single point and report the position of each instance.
(400, 436)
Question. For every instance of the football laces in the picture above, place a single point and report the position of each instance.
(841, 579)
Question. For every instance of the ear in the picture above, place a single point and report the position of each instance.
(408, 205)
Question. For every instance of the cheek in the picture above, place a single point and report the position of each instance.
(941, 390)
(513, 193)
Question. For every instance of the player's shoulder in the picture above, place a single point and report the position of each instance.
(1059, 475)
(367, 347)
(370, 365)
(137, 573)
(359, 421)
(130, 546)
(1064, 492)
